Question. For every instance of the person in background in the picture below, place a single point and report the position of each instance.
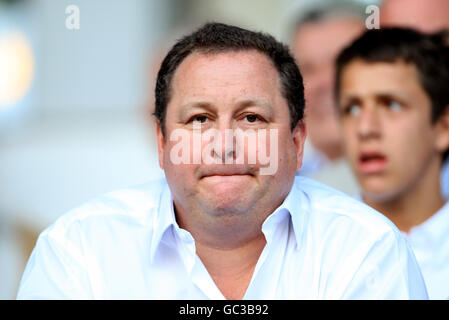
(392, 87)
(320, 33)
(220, 229)
(425, 16)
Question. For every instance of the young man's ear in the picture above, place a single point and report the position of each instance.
(299, 137)
(442, 131)
(160, 144)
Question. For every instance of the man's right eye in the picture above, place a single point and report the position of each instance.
(352, 110)
(200, 119)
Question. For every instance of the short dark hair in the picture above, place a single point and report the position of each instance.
(429, 53)
(218, 37)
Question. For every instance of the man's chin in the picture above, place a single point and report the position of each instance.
(217, 202)
(227, 179)
(379, 196)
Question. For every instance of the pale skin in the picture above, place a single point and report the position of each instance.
(392, 145)
(224, 206)
(424, 15)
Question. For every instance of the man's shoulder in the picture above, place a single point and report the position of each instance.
(131, 205)
(327, 206)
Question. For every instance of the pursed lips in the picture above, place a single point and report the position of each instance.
(224, 170)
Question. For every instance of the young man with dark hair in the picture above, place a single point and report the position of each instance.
(393, 95)
(222, 229)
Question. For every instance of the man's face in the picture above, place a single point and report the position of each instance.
(221, 92)
(427, 16)
(389, 138)
(316, 46)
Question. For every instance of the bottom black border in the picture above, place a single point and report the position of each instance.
(199, 309)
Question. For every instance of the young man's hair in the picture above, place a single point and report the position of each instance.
(429, 53)
(216, 38)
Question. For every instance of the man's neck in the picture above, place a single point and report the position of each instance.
(413, 207)
(229, 247)
(231, 268)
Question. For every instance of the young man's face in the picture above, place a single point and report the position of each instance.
(228, 91)
(386, 118)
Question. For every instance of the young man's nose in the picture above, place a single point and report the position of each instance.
(369, 124)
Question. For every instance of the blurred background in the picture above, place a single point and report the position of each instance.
(76, 99)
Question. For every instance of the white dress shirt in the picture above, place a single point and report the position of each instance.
(430, 243)
(444, 179)
(127, 244)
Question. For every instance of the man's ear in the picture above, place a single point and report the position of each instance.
(442, 131)
(160, 144)
(299, 137)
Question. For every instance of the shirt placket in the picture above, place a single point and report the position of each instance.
(264, 282)
(195, 268)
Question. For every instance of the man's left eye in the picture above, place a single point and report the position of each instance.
(252, 118)
(394, 106)
(199, 119)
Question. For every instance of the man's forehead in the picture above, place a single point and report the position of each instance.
(396, 77)
(394, 69)
(345, 26)
(321, 41)
(210, 69)
(429, 16)
(224, 57)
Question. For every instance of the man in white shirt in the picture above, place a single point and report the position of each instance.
(392, 88)
(219, 227)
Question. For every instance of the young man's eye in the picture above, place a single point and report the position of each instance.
(352, 110)
(394, 106)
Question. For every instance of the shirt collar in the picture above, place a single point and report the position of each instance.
(433, 229)
(163, 220)
(293, 206)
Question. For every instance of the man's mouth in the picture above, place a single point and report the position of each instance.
(372, 162)
(225, 171)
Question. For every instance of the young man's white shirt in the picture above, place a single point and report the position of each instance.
(444, 179)
(321, 244)
(430, 243)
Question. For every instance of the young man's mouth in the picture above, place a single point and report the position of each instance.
(372, 162)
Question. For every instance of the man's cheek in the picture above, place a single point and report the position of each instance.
(268, 151)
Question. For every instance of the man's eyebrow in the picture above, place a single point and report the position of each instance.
(254, 102)
(185, 108)
(394, 95)
(382, 94)
(241, 104)
(260, 103)
(348, 96)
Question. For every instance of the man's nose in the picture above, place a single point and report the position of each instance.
(224, 143)
(369, 124)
